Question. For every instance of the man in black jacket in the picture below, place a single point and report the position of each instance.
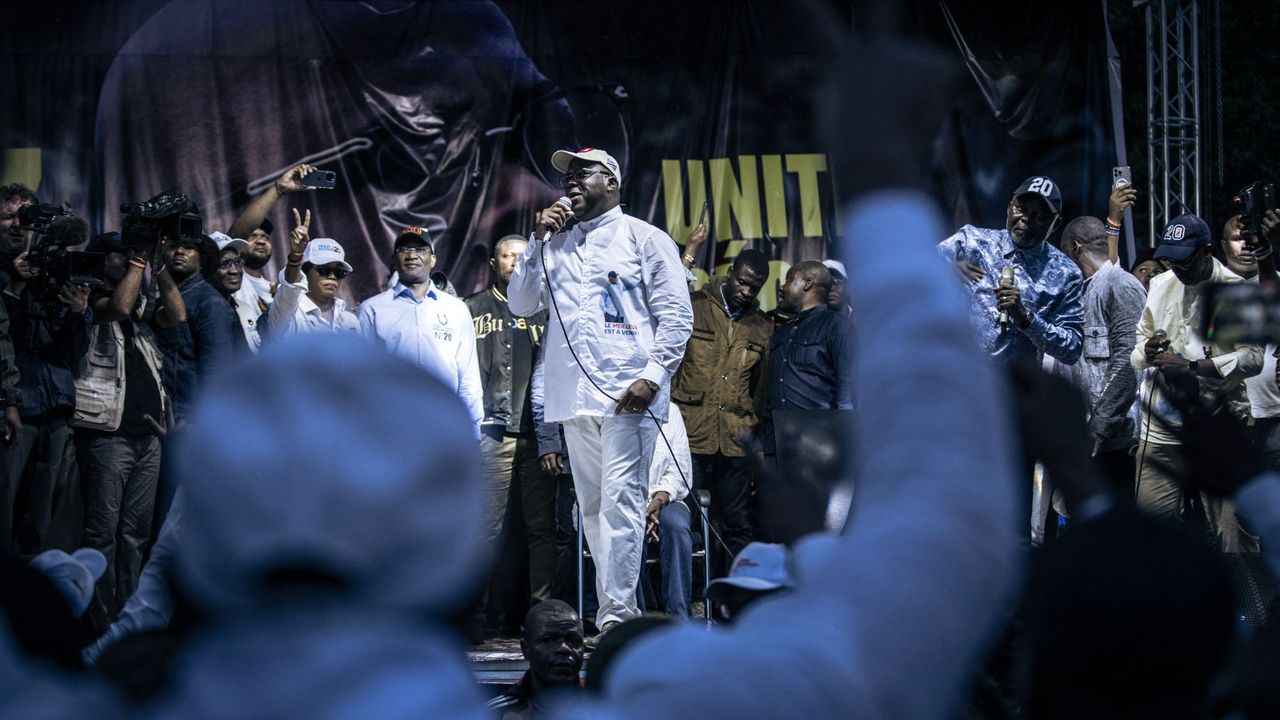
(506, 346)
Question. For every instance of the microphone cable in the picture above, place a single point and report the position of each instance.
(546, 275)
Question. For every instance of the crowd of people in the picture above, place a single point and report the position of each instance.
(107, 370)
(231, 493)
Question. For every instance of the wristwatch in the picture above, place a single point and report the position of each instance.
(1194, 365)
(653, 386)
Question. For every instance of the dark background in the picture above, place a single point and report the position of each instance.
(724, 79)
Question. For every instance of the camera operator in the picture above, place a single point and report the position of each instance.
(195, 348)
(1168, 339)
(12, 242)
(121, 410)
(50, 332)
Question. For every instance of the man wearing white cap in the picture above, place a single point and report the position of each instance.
(307, 300)
(228, 276)
(836, 297)
(622, 314)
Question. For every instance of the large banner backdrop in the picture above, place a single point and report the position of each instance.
(445, 114)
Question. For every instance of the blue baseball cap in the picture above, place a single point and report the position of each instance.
(1182, 237)
(1044, 188)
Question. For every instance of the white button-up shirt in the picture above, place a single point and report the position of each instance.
(669, 473)
(435, 332)
(293, 313)
(621, 295)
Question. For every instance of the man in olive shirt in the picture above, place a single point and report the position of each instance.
(720, 386)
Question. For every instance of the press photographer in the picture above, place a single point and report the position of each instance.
(121, 410)
(47, 299)
(194, 348)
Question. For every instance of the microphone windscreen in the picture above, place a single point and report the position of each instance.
(67, 231)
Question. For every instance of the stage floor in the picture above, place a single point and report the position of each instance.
(497, 661)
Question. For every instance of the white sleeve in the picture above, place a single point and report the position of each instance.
(673, 478)
(669, 303)
(526, 291)
(470, 388)
(282, 313)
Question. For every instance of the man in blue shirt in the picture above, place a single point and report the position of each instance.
(194, 349)
(1040, 312)
(428, 328)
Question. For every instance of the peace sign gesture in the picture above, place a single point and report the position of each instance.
(301, 233)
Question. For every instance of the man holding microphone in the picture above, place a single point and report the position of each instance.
(1169, 339)
(620, 318)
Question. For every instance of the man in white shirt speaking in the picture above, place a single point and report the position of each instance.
(620, 318)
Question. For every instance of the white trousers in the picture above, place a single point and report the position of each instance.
(610, 458)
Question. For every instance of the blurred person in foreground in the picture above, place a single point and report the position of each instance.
(907, 597)
(1168, 339)
(1128, 615)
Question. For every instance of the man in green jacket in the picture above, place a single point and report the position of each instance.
(720, 387)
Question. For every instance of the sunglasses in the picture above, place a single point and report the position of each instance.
(231, 263)
(577, 177)
(418, 250)
(333, 271)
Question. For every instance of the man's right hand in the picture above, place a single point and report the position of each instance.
(551, 220)
(12, 425)
(969, 272)
(552, 463)
(1122, 198)
(301, 233)
(1155, 346)
(23, 268)
(695, 240)
(291, 180)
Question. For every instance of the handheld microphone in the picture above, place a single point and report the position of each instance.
(1006, 280)
(567, 206)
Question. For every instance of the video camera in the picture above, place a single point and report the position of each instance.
(36, 218)
(171, 214)
(54, 230)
